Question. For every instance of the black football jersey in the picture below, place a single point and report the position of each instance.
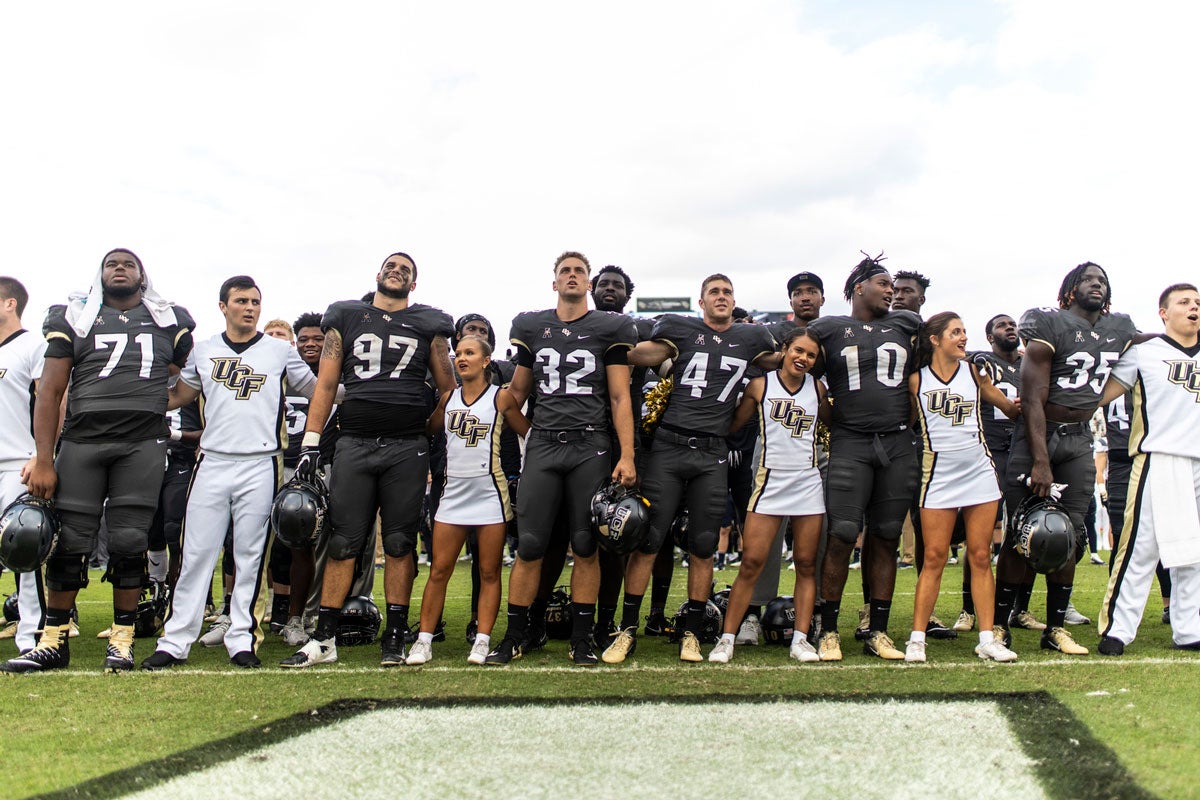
(385, 354)
(122, 363)
(997, 428)
(867, 365)
(1084, 354)
(778, 330)
(1116, 425)
(568, 363)
(709, 368)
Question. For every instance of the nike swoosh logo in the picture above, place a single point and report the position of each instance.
(581, 338)
(735, 345)
(722, 460)
(183, 471)
(160, 441)
(405, 325)
(1110, 339)
(144, 324)
(601, 452)
(419, 454)
(885, 330)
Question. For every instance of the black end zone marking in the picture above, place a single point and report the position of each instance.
(1069, 761)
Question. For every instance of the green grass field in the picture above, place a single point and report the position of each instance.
(1093, 726)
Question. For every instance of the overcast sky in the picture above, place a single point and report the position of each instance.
(992, 146)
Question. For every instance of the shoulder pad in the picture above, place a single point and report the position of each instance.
(56, 321)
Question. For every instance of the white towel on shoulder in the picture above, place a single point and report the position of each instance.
(1174, 505)
(84, 307)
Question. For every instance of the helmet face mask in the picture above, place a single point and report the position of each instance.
(710, 626)
(620, 518)
(298, 512)
(558, 614)
(359, 622)
(29, 530)
(1042, 532)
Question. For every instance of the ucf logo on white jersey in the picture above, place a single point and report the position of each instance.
(238, 377)
(791, 416)
(1181, 373)
(950, 405)
(466, 426)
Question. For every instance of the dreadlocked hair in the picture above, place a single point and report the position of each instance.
(862, 271)
(1066, 292)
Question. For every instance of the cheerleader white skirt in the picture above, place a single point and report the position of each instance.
(481, 500)
(788, 492)
(958, 478)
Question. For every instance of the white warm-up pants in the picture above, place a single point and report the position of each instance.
(29, 589)
(1134, 564)
(224, 488)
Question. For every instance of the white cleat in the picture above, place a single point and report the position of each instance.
(750, 632)
(914, 652)
(995, 651)
(722, 653)
(293, 634)
(479, 651)
(216, 632)
(315, 652)
(803, 651)
(420, 653)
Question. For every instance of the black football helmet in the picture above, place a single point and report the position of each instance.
(359, 622)
(710, 626)
(721, 599)
(558, 614)
(298, 511)
(1042, 531)
(12, 608)
(152, 610)
(779, 620)
(620, 518)
(28, 532)
(679, 529)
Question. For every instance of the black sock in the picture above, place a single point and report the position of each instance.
(280, 607)
(124, 617)
(537, 613)
(397, 616)
(1058, 597)
(631, 610)
(1006, 595)
(880, 611)
(58, 616)
(605, 615)
(829, 614)
(968, 600)
(1024, 593)
(225, 607)
(695, 615)
(327, 622)
(583, 619)
(659, 589)
(518, 622)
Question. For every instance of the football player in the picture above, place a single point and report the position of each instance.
(575, 360)
(21, 357)
(381, 351)
(1069, 353)
(689, 459)
(866, 358)
(114, 347)
(242, 376)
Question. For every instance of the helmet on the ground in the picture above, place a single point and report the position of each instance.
(679, 529)
(721, 599)
(558, 614)
(298, 511)
(358, 623)
(1041, 530)
(28, 532)
(710, 625)
(12, 608)
(152, 610)
(620, 518)
(779, 620)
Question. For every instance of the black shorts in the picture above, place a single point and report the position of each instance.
(1071, 462)
(561, 468)
(695, 471)
(384, 475)
(172, 502)
(871, 477)
(120, 480)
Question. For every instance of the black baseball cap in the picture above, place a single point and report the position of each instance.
(805, 277)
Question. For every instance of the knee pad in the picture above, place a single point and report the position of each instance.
(888, 530)
(126, 571)
(844, 530)
(531, 547)
(703, 545)
(341, 547)
(67, 573)
(583, 544)
(398, 544)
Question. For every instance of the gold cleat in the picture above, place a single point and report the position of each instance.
(1059, 639)
(829, 646)
(689, 648)
(623, 645)
(965, 621)
(119, 655)
(880, 644)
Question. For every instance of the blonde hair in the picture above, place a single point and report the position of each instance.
(281, 323)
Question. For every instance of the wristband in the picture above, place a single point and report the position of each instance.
(176, 435)
(311, 439)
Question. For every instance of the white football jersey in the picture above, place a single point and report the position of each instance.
(21, 359)
(950, 410)
(242, 392)
(787, 425)
(473, 435)
(1165, 388)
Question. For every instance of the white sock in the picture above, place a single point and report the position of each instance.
(427, 638)
(728, 637)
(799, 636)
(986, 637)
(483, 637)
(157, 565)
(917, 636)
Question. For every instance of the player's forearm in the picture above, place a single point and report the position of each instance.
(1035, 430)
(622, 411)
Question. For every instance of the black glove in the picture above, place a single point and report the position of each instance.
(308, 464)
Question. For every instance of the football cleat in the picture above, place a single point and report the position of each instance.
(420, 653)
(1058, 639)
(750, 631)
(864, 624)
(118, 657)
(104, 634)
(656, 624)
(995, 651)
(215, 637)
(74, 630)
(1003, 635)
(293, 634)
(479, 652)
(604, 633)
(803, 651)
(1023, 619)
(508, 650)
(965, 621)
(880, 644)
(623, 645)
(1073, 616)
(315, 652)
(583, 654)
(914, 652)
(722, 653)
(936, 629)
(1111, 646)
(52, 652)
(210, 613)
(245, 659)
(439, 631)
(536, 638)
(829, 646)
(9, 630)
(391, 646)
(1166, 616)
(689, 648)
(472, 629)
(160, 660)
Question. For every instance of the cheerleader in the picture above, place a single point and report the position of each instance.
(787, 483)
(476, 494)
(957, 473)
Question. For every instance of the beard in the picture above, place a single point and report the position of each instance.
(395, 294)
(121, 292)
(1089, 304)
(1007, 345)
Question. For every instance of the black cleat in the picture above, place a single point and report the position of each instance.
(439, 632)
(936, 629)
(392, 646)
(508, 650)
(1188, 646)
(1110, 646)
(160, 660)
(1166, 617)
(472, 629)
(603, 634)
(52, 652)
(535, 638)
(410, 635)
(656, 624)
(244, 659)
(583, 654)
(118, 656)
